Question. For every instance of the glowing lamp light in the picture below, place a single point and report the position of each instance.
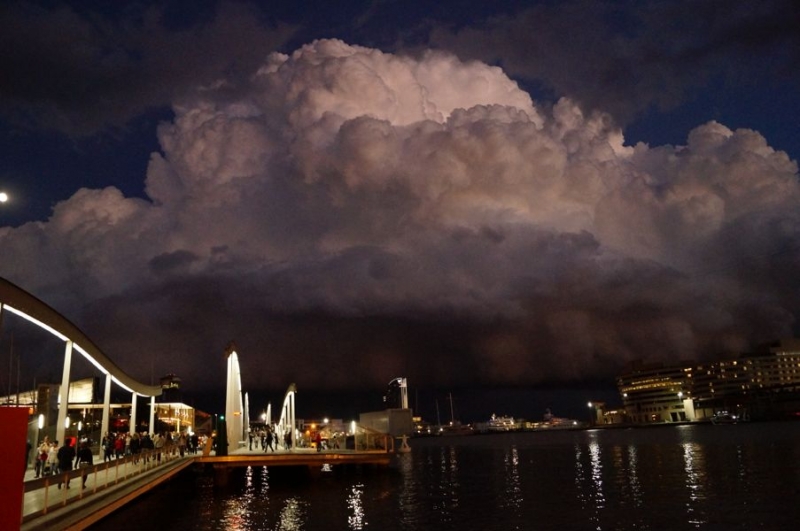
(41, 421)
(3, 197)
(590, 404)
(66, 422)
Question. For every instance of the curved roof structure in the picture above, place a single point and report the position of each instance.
(22, 303)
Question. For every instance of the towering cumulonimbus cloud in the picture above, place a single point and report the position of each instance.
(350, 215)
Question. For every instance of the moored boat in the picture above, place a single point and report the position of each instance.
(724, 417)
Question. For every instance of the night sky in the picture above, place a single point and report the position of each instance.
(519, 197)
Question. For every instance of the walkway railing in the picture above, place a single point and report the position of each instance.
(44, 494)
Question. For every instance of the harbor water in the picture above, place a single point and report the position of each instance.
(744, 476)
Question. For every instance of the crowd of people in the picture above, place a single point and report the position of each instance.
(267, 436)
(52, 459)
(118, 445)
(269, 439)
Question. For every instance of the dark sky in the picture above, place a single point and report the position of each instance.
(522, 195)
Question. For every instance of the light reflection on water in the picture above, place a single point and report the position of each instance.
(356, 520)
(649, 479)
(293, 515)
(633, 477)
(695, 476)
(513, 497)
(407, 499)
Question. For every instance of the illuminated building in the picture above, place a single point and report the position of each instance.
(85, 411)
(764, 384)
(657, 393)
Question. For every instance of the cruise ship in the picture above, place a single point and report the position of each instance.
(497, 424)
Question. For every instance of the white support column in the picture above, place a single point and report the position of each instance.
(63, 393)
(132, 421)
(246, 420)
(293, 423)
(152, 414)
(106, 406)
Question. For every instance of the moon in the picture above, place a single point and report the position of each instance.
(3, 197)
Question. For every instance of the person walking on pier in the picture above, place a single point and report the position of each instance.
(107, 444)
(85, 459)
(41, 456)
(65, 456)
(148, 447)
(158, 445)
(182, 443)
(119, 447)
(135, 448)
(318, 441)
(52, 459)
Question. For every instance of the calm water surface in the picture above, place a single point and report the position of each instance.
(667, 478)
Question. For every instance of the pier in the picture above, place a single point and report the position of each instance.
(113, 484)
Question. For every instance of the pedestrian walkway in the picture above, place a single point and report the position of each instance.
(112, 484)
(109, 485)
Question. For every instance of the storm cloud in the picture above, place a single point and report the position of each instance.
(626, 59)
(348, 215)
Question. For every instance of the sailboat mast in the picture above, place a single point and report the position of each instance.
(452, 413)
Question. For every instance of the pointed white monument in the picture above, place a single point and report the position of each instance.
(286, 423)
(233, 400)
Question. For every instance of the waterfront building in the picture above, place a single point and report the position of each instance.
(762, 384)
(721, 386)
(657, 393)
(84, 412)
